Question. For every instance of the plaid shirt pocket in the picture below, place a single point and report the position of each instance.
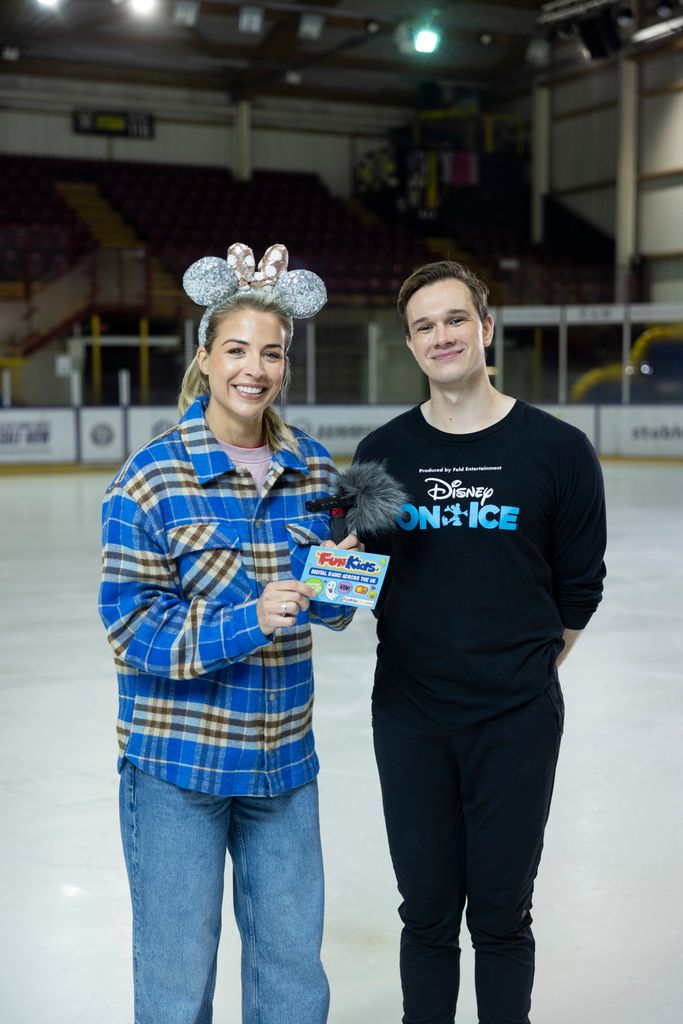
(301, 535)
(209, 562)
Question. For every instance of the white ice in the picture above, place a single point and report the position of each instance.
(608, 905)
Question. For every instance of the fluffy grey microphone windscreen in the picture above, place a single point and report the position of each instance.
(375, 496)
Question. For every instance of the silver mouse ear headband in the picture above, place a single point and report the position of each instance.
(211, 280)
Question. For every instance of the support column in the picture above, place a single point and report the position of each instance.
(540, 159)
(310, 363)
(562, 357)
(627, 190)
(6, 388)
(373, 361)
(499, 348)
(189, 346)
(144, 360)
(96, 363)
(242, 131)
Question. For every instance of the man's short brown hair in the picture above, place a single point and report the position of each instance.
(444, 270)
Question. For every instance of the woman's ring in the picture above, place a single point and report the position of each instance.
(283, 609)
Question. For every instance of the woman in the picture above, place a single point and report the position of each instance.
(205, 537)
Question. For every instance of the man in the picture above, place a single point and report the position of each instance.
(496, 569)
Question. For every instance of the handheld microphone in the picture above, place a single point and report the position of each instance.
(367, 501)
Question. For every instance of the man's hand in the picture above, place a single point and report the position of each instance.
(349, 543)
(570, 636)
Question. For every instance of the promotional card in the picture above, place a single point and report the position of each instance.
(345, 577)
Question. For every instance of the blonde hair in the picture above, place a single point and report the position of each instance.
(276, 433)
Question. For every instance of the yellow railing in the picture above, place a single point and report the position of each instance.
(615, 371)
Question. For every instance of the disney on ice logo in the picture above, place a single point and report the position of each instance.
(442, 490)
(474, 515)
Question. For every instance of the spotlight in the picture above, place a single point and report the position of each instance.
(185, 13)
(372, 26)
(143, 7)
(250, 20)
(426, 40)
(485, 39)
(10, 53)
(665, 9)
(538, 52)
(599, 35)
(310, 26)
(418, 34)
(48, 3)
(625, 17)
(293, 77)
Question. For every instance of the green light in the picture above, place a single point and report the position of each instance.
(426, 40)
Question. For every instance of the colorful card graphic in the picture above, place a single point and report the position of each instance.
(345, 577)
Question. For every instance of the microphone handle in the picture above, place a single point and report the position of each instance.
(338, 524)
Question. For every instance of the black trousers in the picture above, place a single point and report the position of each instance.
(465, 815)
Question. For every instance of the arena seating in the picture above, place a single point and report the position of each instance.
(184, 212)
(39, 234)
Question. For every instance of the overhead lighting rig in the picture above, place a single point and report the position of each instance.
(419, 34)
(601, 24)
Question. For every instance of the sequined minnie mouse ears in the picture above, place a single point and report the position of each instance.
(211, 280)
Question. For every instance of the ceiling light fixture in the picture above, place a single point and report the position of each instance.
(250, 20)
(663, 28)
(538, 52)
(185, 13)
(48, 3)
(310, 26)
(625, 17)
(419, 34)
(426, 40)
(143, 7)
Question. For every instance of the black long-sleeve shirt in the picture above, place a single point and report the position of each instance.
(501, 548)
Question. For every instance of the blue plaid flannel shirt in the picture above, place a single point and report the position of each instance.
(206, 700)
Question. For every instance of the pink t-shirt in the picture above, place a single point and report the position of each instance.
(256, 460)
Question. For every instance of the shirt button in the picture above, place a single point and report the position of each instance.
(271, 696)
(258, 524)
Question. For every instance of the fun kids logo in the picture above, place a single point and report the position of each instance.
(477, 512)
(327, 559)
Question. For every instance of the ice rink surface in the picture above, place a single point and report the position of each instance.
(609, 899)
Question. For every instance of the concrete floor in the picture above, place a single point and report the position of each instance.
(609, 900)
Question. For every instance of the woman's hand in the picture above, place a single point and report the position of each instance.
(280, 603)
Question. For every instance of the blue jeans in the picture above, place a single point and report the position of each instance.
(175, 842)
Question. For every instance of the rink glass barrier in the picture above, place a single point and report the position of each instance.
(616, 371)
(107, 434)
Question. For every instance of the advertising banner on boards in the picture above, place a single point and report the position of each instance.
(642, 430)
(102, 437)
(340, 427)
(582, 416)
(37, 436)
(147, 422)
